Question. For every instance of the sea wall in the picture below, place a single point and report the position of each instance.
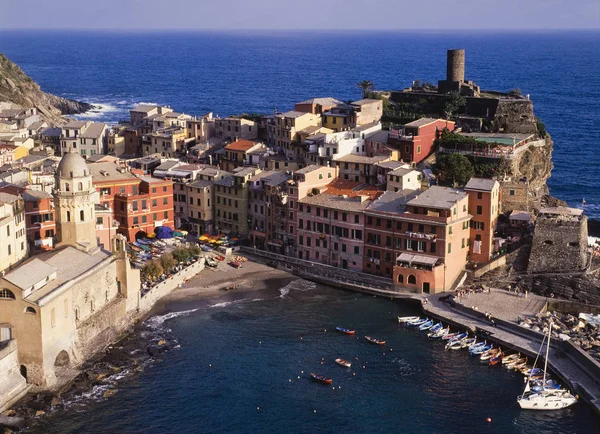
(13, 386)
(158, 291)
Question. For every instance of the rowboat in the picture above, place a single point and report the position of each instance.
(450, 336)
(235, 264)
(345, 331)
(511, 358)
(531, 372)
(469, 341)
(480, 350)
(374, 340)
(511, 365)
(344, 363)
(417, 322)
(436, 327)
(439, 334)
(496, 359)
(455, 345)
(219, 258)
(459, 337)
(405, 319)
(426, 325)
(518, 366)
(477, 345)
(493, 352)
(206, 248)
(321, 379)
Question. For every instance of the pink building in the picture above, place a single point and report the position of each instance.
(331, 224)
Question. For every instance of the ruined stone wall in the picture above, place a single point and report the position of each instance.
(558, 246)
(12, 383)
(515, 196)
(582, 288)
(514, 116)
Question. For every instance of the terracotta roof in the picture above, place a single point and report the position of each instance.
(240, 145)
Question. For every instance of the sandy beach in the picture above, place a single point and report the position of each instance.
(211, 282)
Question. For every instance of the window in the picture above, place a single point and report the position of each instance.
(144, 219)
(412, 280)
(7, 294)
(136, 220)
(30, 310)
(463, 243)
(511, 192)
(165, 201)
(164, 188)
(454, 210)
(479, 210)
(53, 317)
(449, 247)
(81, 215)
(479, 195)
(356, 250)
(99, 220)
(400, 278)
(166, 215)
(134, 205)
(343, 248)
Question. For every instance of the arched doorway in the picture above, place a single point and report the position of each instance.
(62, 359)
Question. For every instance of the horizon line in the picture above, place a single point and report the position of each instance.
(226, 30)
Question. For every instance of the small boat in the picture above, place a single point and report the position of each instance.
(459, 337)
(417, 322)
(235, 264)
(321, 379)
(219, 258)
(511, 358)
(405, 319)
(496, 359)
(455, 345)
(206, 248)
(531, 372)
(511, 365)
(344, 363)
(469, 341)
(520, 364)
(450, 336)
(345, 331)
(493, 352)
(480, 350)
(439, 334)
(426, 325)
(374, 340)
(477, 345)
(436, 327)
(211, 262)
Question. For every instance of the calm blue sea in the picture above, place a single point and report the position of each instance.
(230, 73)
(243, 367)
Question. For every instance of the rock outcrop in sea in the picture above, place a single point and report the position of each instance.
(18, 90)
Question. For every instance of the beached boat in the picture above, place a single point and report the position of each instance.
(219, 258)
(206, 248)
(405, 319)
(547, 398)
(211, 262)
(374, 340)
(321, 379)
(344, 363)
(235, 264)
(426, 325)
(344, 330)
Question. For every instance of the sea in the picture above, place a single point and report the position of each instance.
(242, 365)
(237, 72)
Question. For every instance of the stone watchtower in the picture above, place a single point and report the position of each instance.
(455, 75)
(74, 196)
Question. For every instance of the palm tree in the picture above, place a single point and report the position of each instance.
(366, 86)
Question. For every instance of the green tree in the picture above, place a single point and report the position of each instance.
(366, 86)
(454, 169)
(181, 254)
(195, 250)
(515, 92)
(454, 103)
(152, 269)
(541, 128)
(167, 261)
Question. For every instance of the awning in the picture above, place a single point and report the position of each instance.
(417, 259)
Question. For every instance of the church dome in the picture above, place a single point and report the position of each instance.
(72, 165)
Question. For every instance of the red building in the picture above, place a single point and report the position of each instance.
(137, 203)
(152, 206)
(415, 139)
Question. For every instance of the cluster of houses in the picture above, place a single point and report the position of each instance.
(323, 182)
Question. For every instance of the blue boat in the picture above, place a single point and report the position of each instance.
(426, 326)
(458, 337)
(436, 327)
(481, 350)
(417, 323)
(345, 331)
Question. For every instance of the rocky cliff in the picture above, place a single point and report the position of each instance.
(17, 89)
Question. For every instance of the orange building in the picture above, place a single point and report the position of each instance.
(431, 238)
(484, 206)
(415, 139)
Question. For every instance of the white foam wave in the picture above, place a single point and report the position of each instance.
(297, 285)
(157, 321)
(100, 110)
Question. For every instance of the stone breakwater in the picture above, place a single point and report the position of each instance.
(579, 331)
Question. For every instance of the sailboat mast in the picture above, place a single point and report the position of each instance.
(546, 361)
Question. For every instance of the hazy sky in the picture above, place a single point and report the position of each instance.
(300, 14)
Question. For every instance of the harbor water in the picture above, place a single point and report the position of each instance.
(243, 365)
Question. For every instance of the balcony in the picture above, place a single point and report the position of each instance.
(421, 236)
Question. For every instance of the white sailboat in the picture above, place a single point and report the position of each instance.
(547, 398)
